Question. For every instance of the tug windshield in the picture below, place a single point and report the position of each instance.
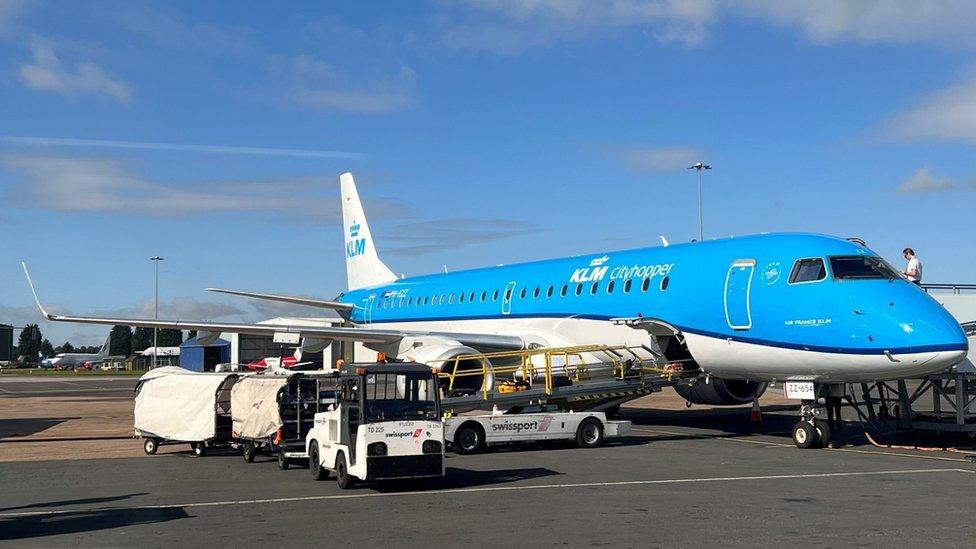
(400, 397)
(861, 267)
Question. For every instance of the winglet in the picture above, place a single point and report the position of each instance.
(33, 291)
(664, 241)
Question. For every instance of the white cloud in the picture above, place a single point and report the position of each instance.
(420, 237)
(940, 22)
(98, 185)
(504, 27)
(663, 159)
(312, 83)
(47, 72)
(923, 181)
(946, 115)
(175, 147)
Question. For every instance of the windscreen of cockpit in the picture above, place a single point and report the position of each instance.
(400, 396)
(861, 267)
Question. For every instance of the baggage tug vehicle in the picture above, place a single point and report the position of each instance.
(386, 425)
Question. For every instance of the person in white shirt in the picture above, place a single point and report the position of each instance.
(913, 272)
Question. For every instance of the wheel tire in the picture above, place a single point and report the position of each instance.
(589, 434)
(282, 460)
(469, 439)
(314, 465)
(805, 435)
(249, 452)
(824, 433)
(199, 449)
(150, 445)
(343, 478)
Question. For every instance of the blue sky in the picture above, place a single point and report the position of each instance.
(479, 132)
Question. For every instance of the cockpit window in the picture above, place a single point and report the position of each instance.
(808, 270)
(861, 267)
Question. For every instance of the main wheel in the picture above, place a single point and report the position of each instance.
(314, 465)
(824, 432)
(468, 439)
(282, 460)
(590, 433)
(199, 449)
(343, 478)
(804, 435)
(249, 452)
(150, 445)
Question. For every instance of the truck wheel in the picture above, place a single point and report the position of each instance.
(589, 434)
(314, 465)
(150, 445)
(282, 460)
(468, 439)
(343, 478)
(199, 449)
(249, 452)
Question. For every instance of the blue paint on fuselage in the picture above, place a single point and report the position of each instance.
(690, 287)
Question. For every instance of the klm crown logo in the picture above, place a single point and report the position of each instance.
(354, 229)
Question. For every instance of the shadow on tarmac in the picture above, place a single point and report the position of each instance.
(466, 478)
(76, 522)
(27, 427)
(64, 502)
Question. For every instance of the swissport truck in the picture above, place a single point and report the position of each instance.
(386, 425)
(470, 434)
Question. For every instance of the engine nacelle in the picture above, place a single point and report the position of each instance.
(721, 392)
(471, 374)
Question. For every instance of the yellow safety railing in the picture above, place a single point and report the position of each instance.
(624, 361)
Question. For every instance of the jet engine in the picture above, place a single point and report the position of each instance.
(471, 374)
(721, 392)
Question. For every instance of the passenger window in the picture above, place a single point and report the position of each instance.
(664, 283)
(549, 291)
(646, 284)
(450, 299)
(562, 292)
(410, 302)
(594, 288)
(471, 297)
(579, 289)
(610, 287)
(522, 294)
(461, 297)
(494, 296)
(484, 294)
(382, 305)
(441, 302)
(627, 285)
(808, 270)
(508, 295)
(535, 293)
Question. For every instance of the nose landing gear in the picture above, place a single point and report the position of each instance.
(812, 431)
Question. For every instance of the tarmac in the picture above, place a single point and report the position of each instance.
(686, 478)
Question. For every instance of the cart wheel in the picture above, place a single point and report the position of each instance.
(282, 460)
(590, 433)
(343, 478)
(199, 449)
(150, 445)
(469, 439)
(249, 452)
(314, 465)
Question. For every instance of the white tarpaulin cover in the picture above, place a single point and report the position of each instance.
(254, 406)
(177, 404)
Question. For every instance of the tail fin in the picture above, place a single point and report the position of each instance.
(105, 346)
(363, 265)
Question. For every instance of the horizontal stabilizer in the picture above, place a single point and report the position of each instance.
(321, 304)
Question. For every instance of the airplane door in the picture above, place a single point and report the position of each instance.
(368, 310)
(507, 298)
(738, 286)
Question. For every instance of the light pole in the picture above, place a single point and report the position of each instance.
(699, 166)
(156, 259)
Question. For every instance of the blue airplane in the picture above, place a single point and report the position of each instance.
(813, 312)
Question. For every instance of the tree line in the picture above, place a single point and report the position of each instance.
(123, 341)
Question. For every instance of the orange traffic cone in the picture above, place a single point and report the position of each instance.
(756, 416)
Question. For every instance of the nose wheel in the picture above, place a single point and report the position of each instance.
(813, 432)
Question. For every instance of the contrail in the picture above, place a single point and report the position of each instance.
(177, 147)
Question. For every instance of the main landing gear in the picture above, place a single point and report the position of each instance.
(820, 425)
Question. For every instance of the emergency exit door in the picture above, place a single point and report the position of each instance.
(738, 287)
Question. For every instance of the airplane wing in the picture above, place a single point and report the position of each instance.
(364, 335)
(322, 304)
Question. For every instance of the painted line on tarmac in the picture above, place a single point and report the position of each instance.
(782, 445)
(17, 392)
(455, 491)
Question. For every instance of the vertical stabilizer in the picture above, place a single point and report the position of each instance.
(363, 265)
(106, 346)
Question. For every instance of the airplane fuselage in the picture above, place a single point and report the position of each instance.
(740, 304)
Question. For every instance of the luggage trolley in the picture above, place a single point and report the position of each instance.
(173, 405)
(274, 412)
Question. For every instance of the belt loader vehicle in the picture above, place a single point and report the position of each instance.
(386, 425)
